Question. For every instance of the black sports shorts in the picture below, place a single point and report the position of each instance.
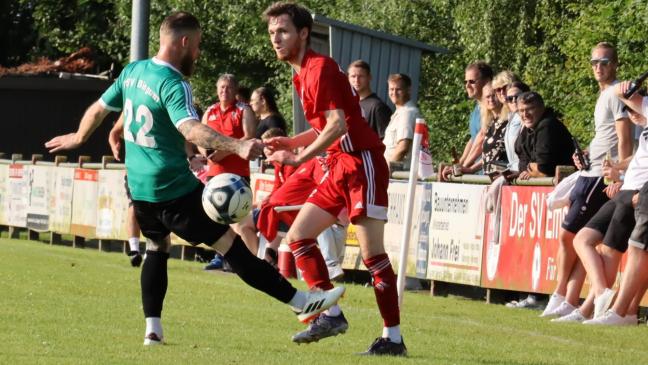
(183, 216)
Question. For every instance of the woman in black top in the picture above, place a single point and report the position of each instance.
(265, 107)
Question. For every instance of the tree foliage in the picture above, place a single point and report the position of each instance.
(546, 42)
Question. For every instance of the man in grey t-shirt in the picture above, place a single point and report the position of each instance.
(613, 135)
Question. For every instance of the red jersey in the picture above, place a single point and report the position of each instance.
(281, 173)
(322, 85)
(228, 122)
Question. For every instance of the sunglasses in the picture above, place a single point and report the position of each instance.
(512, 98)
(471, 82)
(501, 89)
(600, 61)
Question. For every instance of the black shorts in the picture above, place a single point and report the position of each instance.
(586, 199)
(639, 235)
(183, 216)
(128, 194)
(615, 220)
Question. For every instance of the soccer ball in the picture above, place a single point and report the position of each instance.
(227, 198)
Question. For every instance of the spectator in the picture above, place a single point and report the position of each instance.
(492, 127)
(265, 108)
(400, 131)
(477, 74)
(544, 141)
(613, 135)
(515, 123)
(635, 277)
(243, 95)
(232, 119)
(500, 84)
(375, 111)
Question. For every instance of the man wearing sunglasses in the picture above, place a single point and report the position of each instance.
(477, 75)
(613, 136)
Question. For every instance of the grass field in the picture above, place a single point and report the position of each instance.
(60, 305)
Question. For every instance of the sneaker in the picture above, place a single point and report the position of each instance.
(563, 309)
(321, 327)
(317, 301)
(215, 264)
(609, 318)
(135, 258)
(384, 346)
(528, 302)
(574, 316)
(631, 319)
(152, 339)
(602, 302)
(554, 302)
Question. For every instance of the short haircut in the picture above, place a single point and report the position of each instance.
(178, 23)
(229, 78)
(361, 64)
(405, 80)
(504, 78)
(530, 97)
(484, 69)
(520, 85)
(244, 93)
(610, 46)
(273, 132)
(299, 15)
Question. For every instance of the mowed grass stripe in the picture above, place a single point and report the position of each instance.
(81, 306)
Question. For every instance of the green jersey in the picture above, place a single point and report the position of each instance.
(155, 100)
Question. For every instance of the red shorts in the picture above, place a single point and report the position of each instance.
(294, 191)
(357, 181)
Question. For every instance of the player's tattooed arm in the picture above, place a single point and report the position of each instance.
(205, 137)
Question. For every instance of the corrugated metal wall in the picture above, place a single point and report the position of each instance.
(384, 56)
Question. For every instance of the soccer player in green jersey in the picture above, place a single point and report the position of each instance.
(158, 117)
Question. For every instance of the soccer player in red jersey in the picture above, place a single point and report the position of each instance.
(357, 178)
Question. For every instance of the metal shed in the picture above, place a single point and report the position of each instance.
(385, 53)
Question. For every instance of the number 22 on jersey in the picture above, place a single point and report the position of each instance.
(143, 119)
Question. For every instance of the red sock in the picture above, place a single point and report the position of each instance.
(384, 283)
(309, 260)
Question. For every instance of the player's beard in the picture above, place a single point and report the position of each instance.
(187, 65)
(292, 54)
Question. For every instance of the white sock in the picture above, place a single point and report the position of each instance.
(154, 324)
(334, 311)
(133, 242)
(298, 301)
(393, 333)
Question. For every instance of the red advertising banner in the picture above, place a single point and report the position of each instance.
(523, 257)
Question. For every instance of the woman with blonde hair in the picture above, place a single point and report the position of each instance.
(501, 83)
(493, 126)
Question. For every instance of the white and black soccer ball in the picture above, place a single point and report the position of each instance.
(227, 198)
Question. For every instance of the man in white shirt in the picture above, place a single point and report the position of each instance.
(613, 135)
(400, 131)
(635, 276)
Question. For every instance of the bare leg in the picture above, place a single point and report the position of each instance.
(248, 233)
(584, 243)
(634, 279)
(566, 259)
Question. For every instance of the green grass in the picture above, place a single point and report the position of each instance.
(60, 305)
